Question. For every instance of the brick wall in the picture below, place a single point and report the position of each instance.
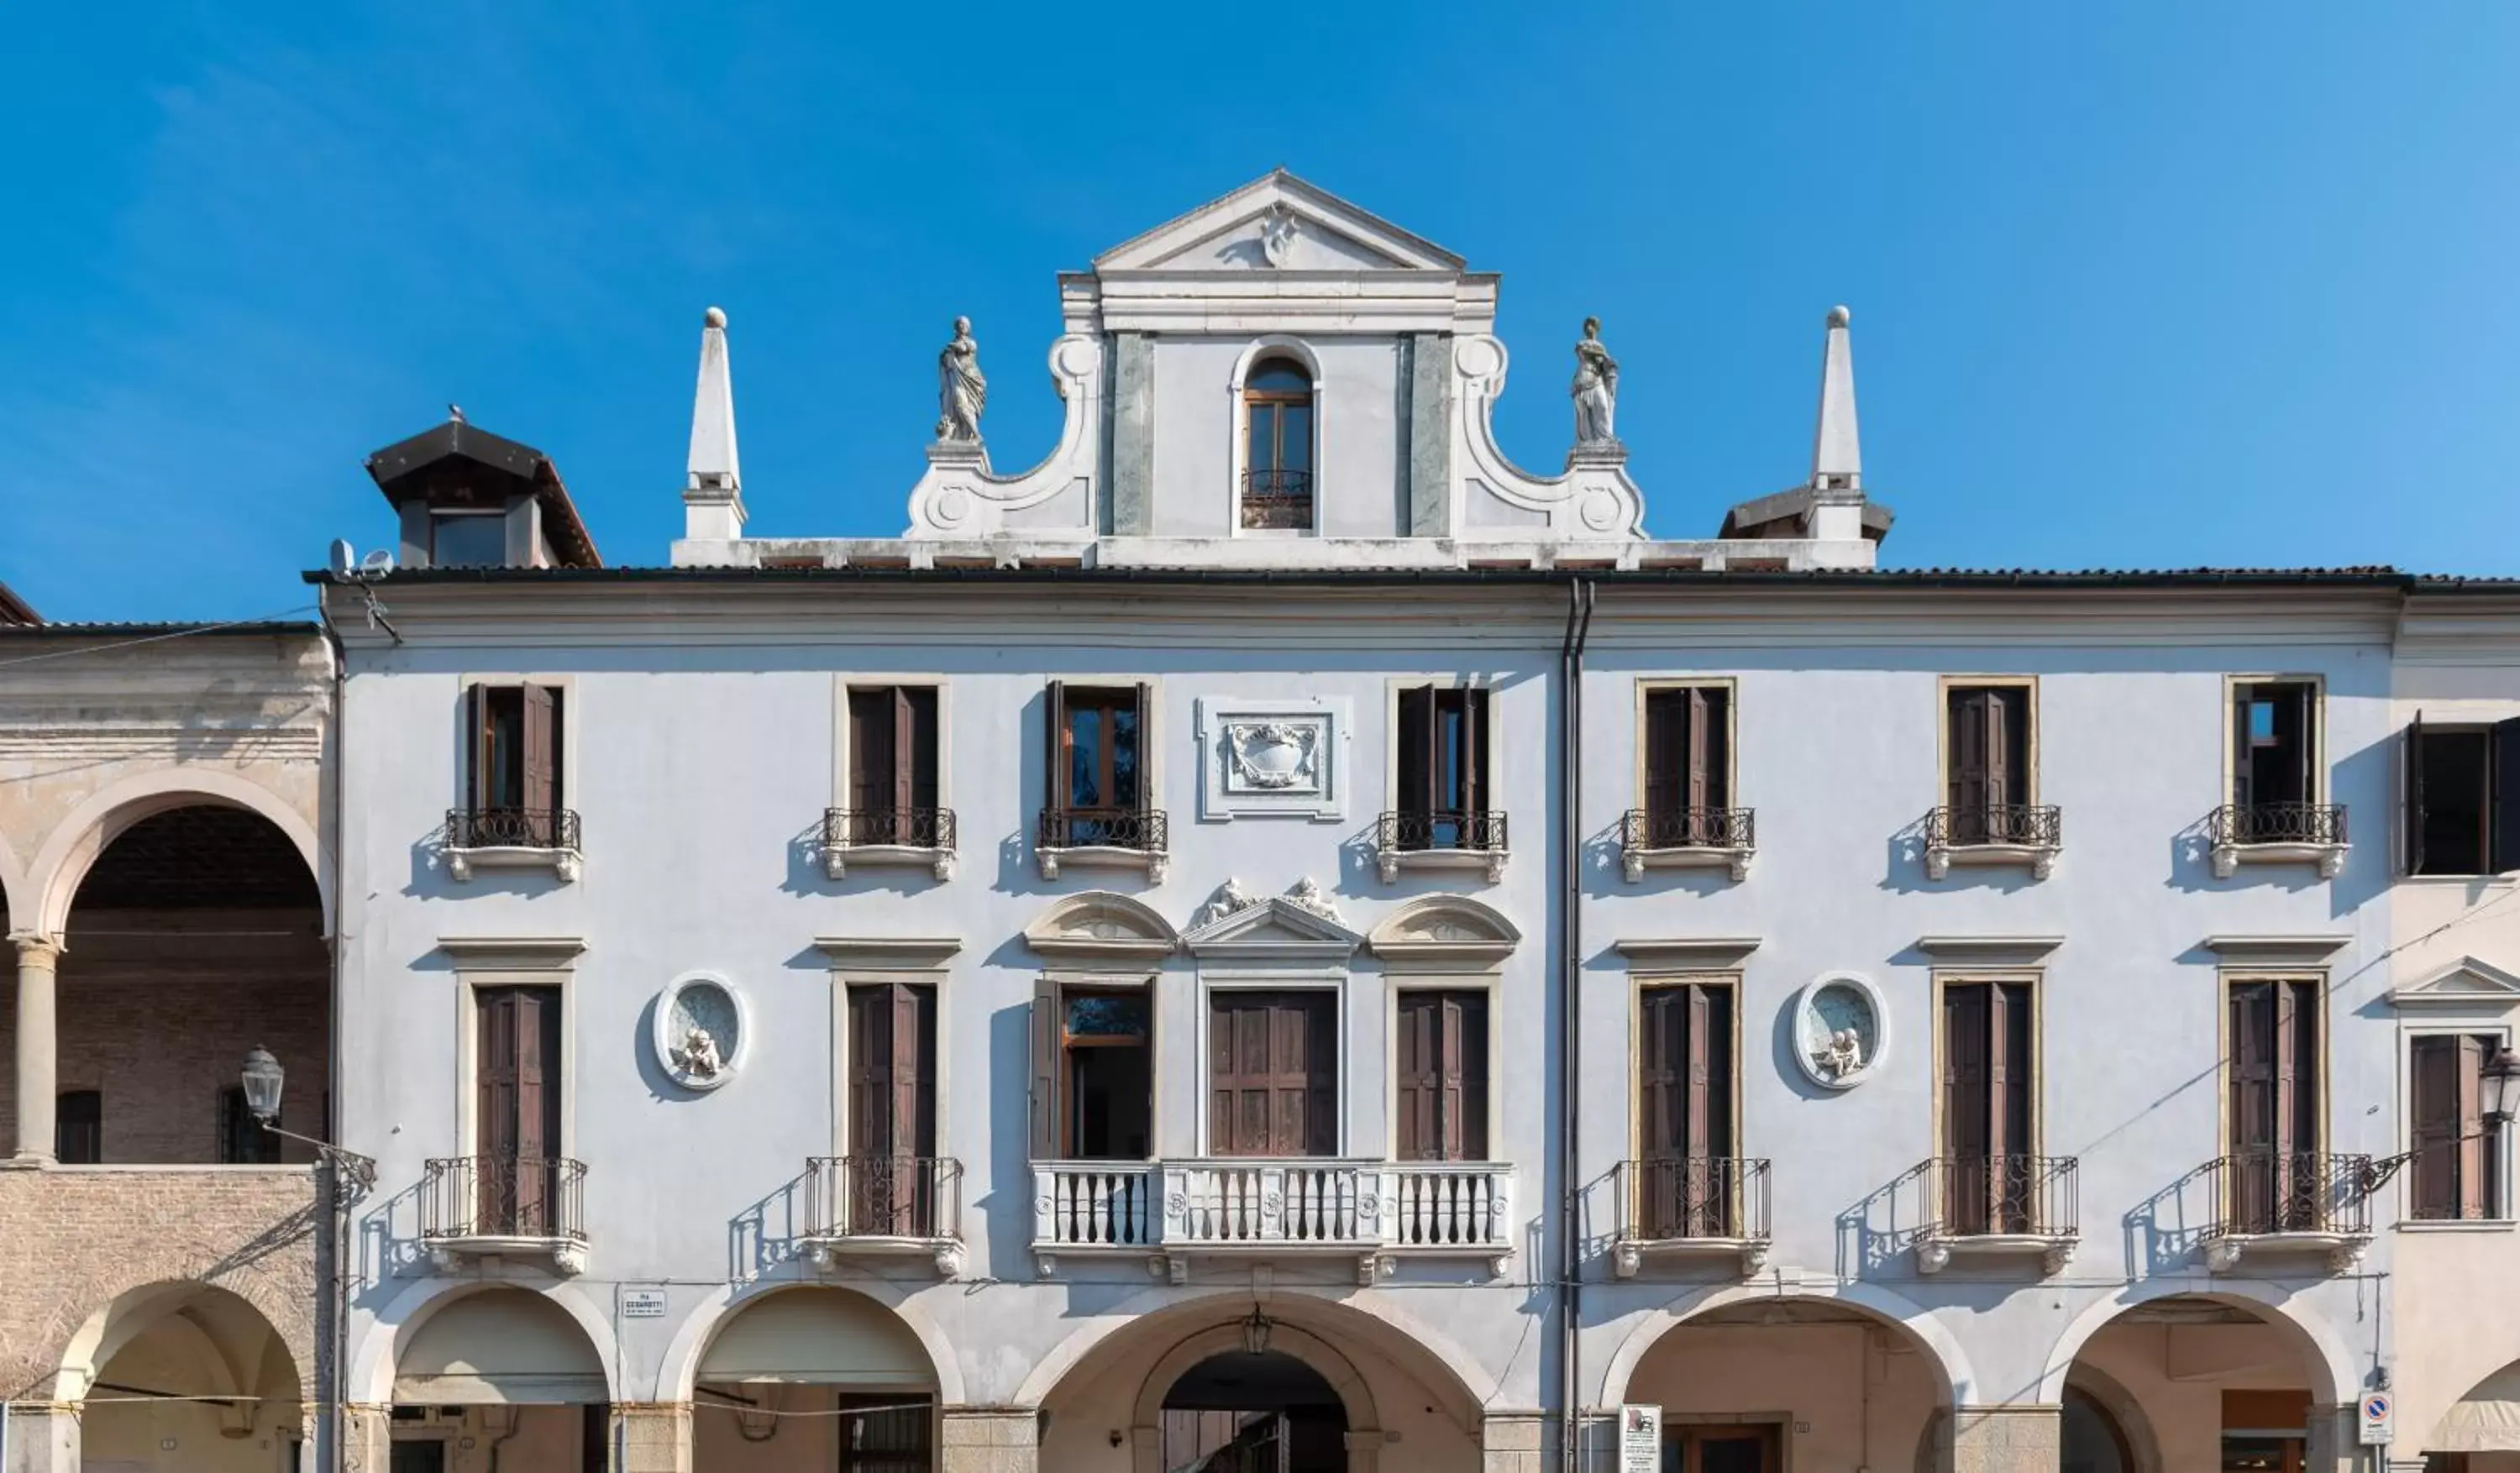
(71, 1240)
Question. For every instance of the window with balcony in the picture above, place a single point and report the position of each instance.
(2462, 798)
(2276, 808)
(1277, 492)
(1991, 810)
(1990, 1091)
(892, 1178)
(1440, 1058)
(514, 785)
(2277, 1179)
(1689, 1171)
(893, 813)
(518, 1171)
(1099, 790)
(1273, 1073)
(78, 1127)
(1688, 816)
(2457, 1165)
(1092, 1089)
(1441, 795)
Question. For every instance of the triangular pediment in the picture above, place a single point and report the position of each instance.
(1273, 929)
(2465, 983)
(1103, 924)
(1277, 222)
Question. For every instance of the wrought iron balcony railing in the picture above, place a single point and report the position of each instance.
(1276, 499)
(1144, 828)
(2243, 824)
(1407, 832)
(2002, 1196)
(511, 828)
(1692, 1197)
(2270, 1193)
(541, 1198)
(906, 828)
(884, 1196)
(1688, 828)
(2028, 826)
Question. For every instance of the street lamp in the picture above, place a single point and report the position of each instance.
(263, 1081)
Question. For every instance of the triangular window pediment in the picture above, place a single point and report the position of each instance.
(1273, 929)
(1277, 222)
(2466, 983)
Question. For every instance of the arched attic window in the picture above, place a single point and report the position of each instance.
(1278, 447)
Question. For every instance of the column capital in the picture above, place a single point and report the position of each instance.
(38, 948)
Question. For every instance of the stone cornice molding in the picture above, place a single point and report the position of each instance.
(512, 954)
(2275, 950)
(1989, 951)
(892, 954)
(1685, 953)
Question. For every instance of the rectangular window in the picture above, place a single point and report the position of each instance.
(1441, 1063)
(892, 1185)
(468, 539)
(2275, 1110)
(1688, 761)
(1093, 1073)
(243, 1141)
(1273, 1074)
(1689, 1161)
(1442, 769)
(2274, 734)
(516, 1120)
(892, 766)
(1988, 777)
(515, 786)
(1990, 1108)
(2458, 1153)
(1097, 778)
(78, 1127)
(2462, 798)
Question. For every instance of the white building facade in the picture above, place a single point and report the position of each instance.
(1276, 938)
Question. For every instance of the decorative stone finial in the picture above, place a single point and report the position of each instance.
(1837, 456)
(715, 316)
(713, 487)
(1839, 317)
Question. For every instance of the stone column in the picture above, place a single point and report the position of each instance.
(990, 1439)
(367, 1438)
(1510, 1441)
(38, 1072)
(2024, 1439)
(651, 1437)
(43, 1439)
(1365, 1451)
(2335, 1440)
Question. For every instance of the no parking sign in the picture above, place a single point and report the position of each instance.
(2378, 1414)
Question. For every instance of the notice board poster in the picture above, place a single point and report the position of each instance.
(1640, 1439)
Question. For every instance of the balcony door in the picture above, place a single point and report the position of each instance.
(1990, 1090)
(1441, 1084)
(891, 1177)
(892, 766)
(1684, 1111)
(515, 787)
(1442, 769)
(517, 1080)
(2278, 1184)
(1686, 764)
(1987, 744)
(1273, 1073)
(1096, 780)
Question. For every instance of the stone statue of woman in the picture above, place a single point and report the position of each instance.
(1597, 387)
(962, 393)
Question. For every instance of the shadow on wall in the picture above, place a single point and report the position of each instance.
(2165, 1230)
(1870, 1234)
(763, 1239)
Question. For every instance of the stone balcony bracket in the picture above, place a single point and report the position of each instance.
(1936, 1252)
(2227, 859)
(566, 865)
(837, 858)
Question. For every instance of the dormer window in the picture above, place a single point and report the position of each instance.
(468, 539)
(1278, 447)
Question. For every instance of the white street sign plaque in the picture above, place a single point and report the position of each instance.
(2378, 1419)
(1640, 1440)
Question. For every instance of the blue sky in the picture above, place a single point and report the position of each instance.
(2134, 285)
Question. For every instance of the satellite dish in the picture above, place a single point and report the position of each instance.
(345, 559)
(378, 564)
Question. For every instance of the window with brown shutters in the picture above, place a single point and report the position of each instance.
(1441, 1085)
(1688, 761)
(2274, 732)
(1273, 1074)
(2462, 798)
(517, 1073)
(1688, 1157)
(1440, 770)
(515, 788)
(1990, 1169)
(1987, 743)
(1097, 784)
(892, 1109)
(1092, 1093)
(2274, 1114)
(893, 759)
(2456, 1151)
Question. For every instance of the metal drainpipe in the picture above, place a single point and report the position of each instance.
(337, 1294)
(1570, 960)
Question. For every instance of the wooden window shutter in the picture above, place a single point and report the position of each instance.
(913, 1096)
(1057, 743)
(2437, 1127)
(2503, 780)
(2476, 1194)
(869, 754)
(1470, 1068)
(2297, 738)
(1453, 1074)
(1699, 1082)
(2000, 778)
(1968, 1127)
(871, 1094)
(1967, 736)
(2244, 789)
(924, 756)
(2253, 1137)
(1699, 778)
(2414, 815)
(539, 760)
(2290, 1070)
(1662, 1026)
(476, 721)
(495, 1074)
(1474, 754)
(1142, 743)
(901, 796)
(1049, 1053)
(1418, 1084)
(1414, 752)
(1666, 751)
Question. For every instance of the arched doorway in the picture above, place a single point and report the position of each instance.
(1832, 1382)
(1239, 1411)
(184, 1378)
(503, 1369)
(814, 1378)
(2480, 1433)
(2192, 1381)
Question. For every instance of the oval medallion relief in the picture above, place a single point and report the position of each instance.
(1841, 1029)
(700, 1031)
